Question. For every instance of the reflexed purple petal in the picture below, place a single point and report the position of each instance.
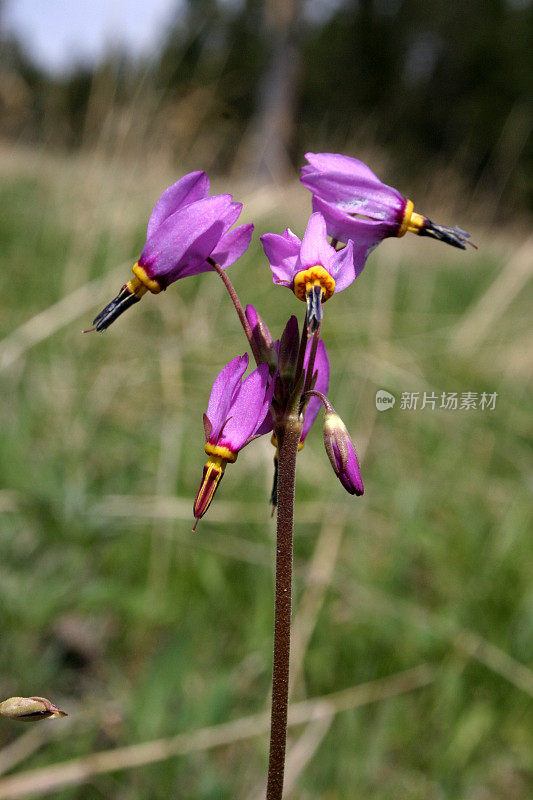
(321, 366)
(315, 246)
(352, 187)
(233, 214)
(337, 163)
(365, 234)
(282, 253)
(232, 245)
(321, 385)
(229, 249)
(290, 236)
(229, 244)
(225, 388)
(376, 201)
(248, 409)
(192, 187)
(182, 243)
(382, 203)
(267, 425)
(343, 227)
(342, 267)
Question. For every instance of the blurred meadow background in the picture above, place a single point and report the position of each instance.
(413, 619)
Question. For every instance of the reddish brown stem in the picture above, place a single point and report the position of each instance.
(238, 308)
(288, 437)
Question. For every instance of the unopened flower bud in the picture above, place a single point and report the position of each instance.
(288, 350)
(341, 452)
(28, 709)
(261, 336)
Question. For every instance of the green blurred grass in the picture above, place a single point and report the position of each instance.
(146, 630)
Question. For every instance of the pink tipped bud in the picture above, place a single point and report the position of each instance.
(341, 452)
(29, 709)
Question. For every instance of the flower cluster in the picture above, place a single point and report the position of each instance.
(190, 232)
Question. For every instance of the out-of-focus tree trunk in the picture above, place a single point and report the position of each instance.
(267, 144)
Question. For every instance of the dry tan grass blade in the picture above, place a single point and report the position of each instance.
(477, 321)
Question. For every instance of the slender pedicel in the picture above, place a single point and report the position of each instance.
(239, 309)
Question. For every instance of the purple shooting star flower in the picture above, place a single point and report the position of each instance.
(234, 415)
(358, 207)
(312, 268)
(186, 228)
